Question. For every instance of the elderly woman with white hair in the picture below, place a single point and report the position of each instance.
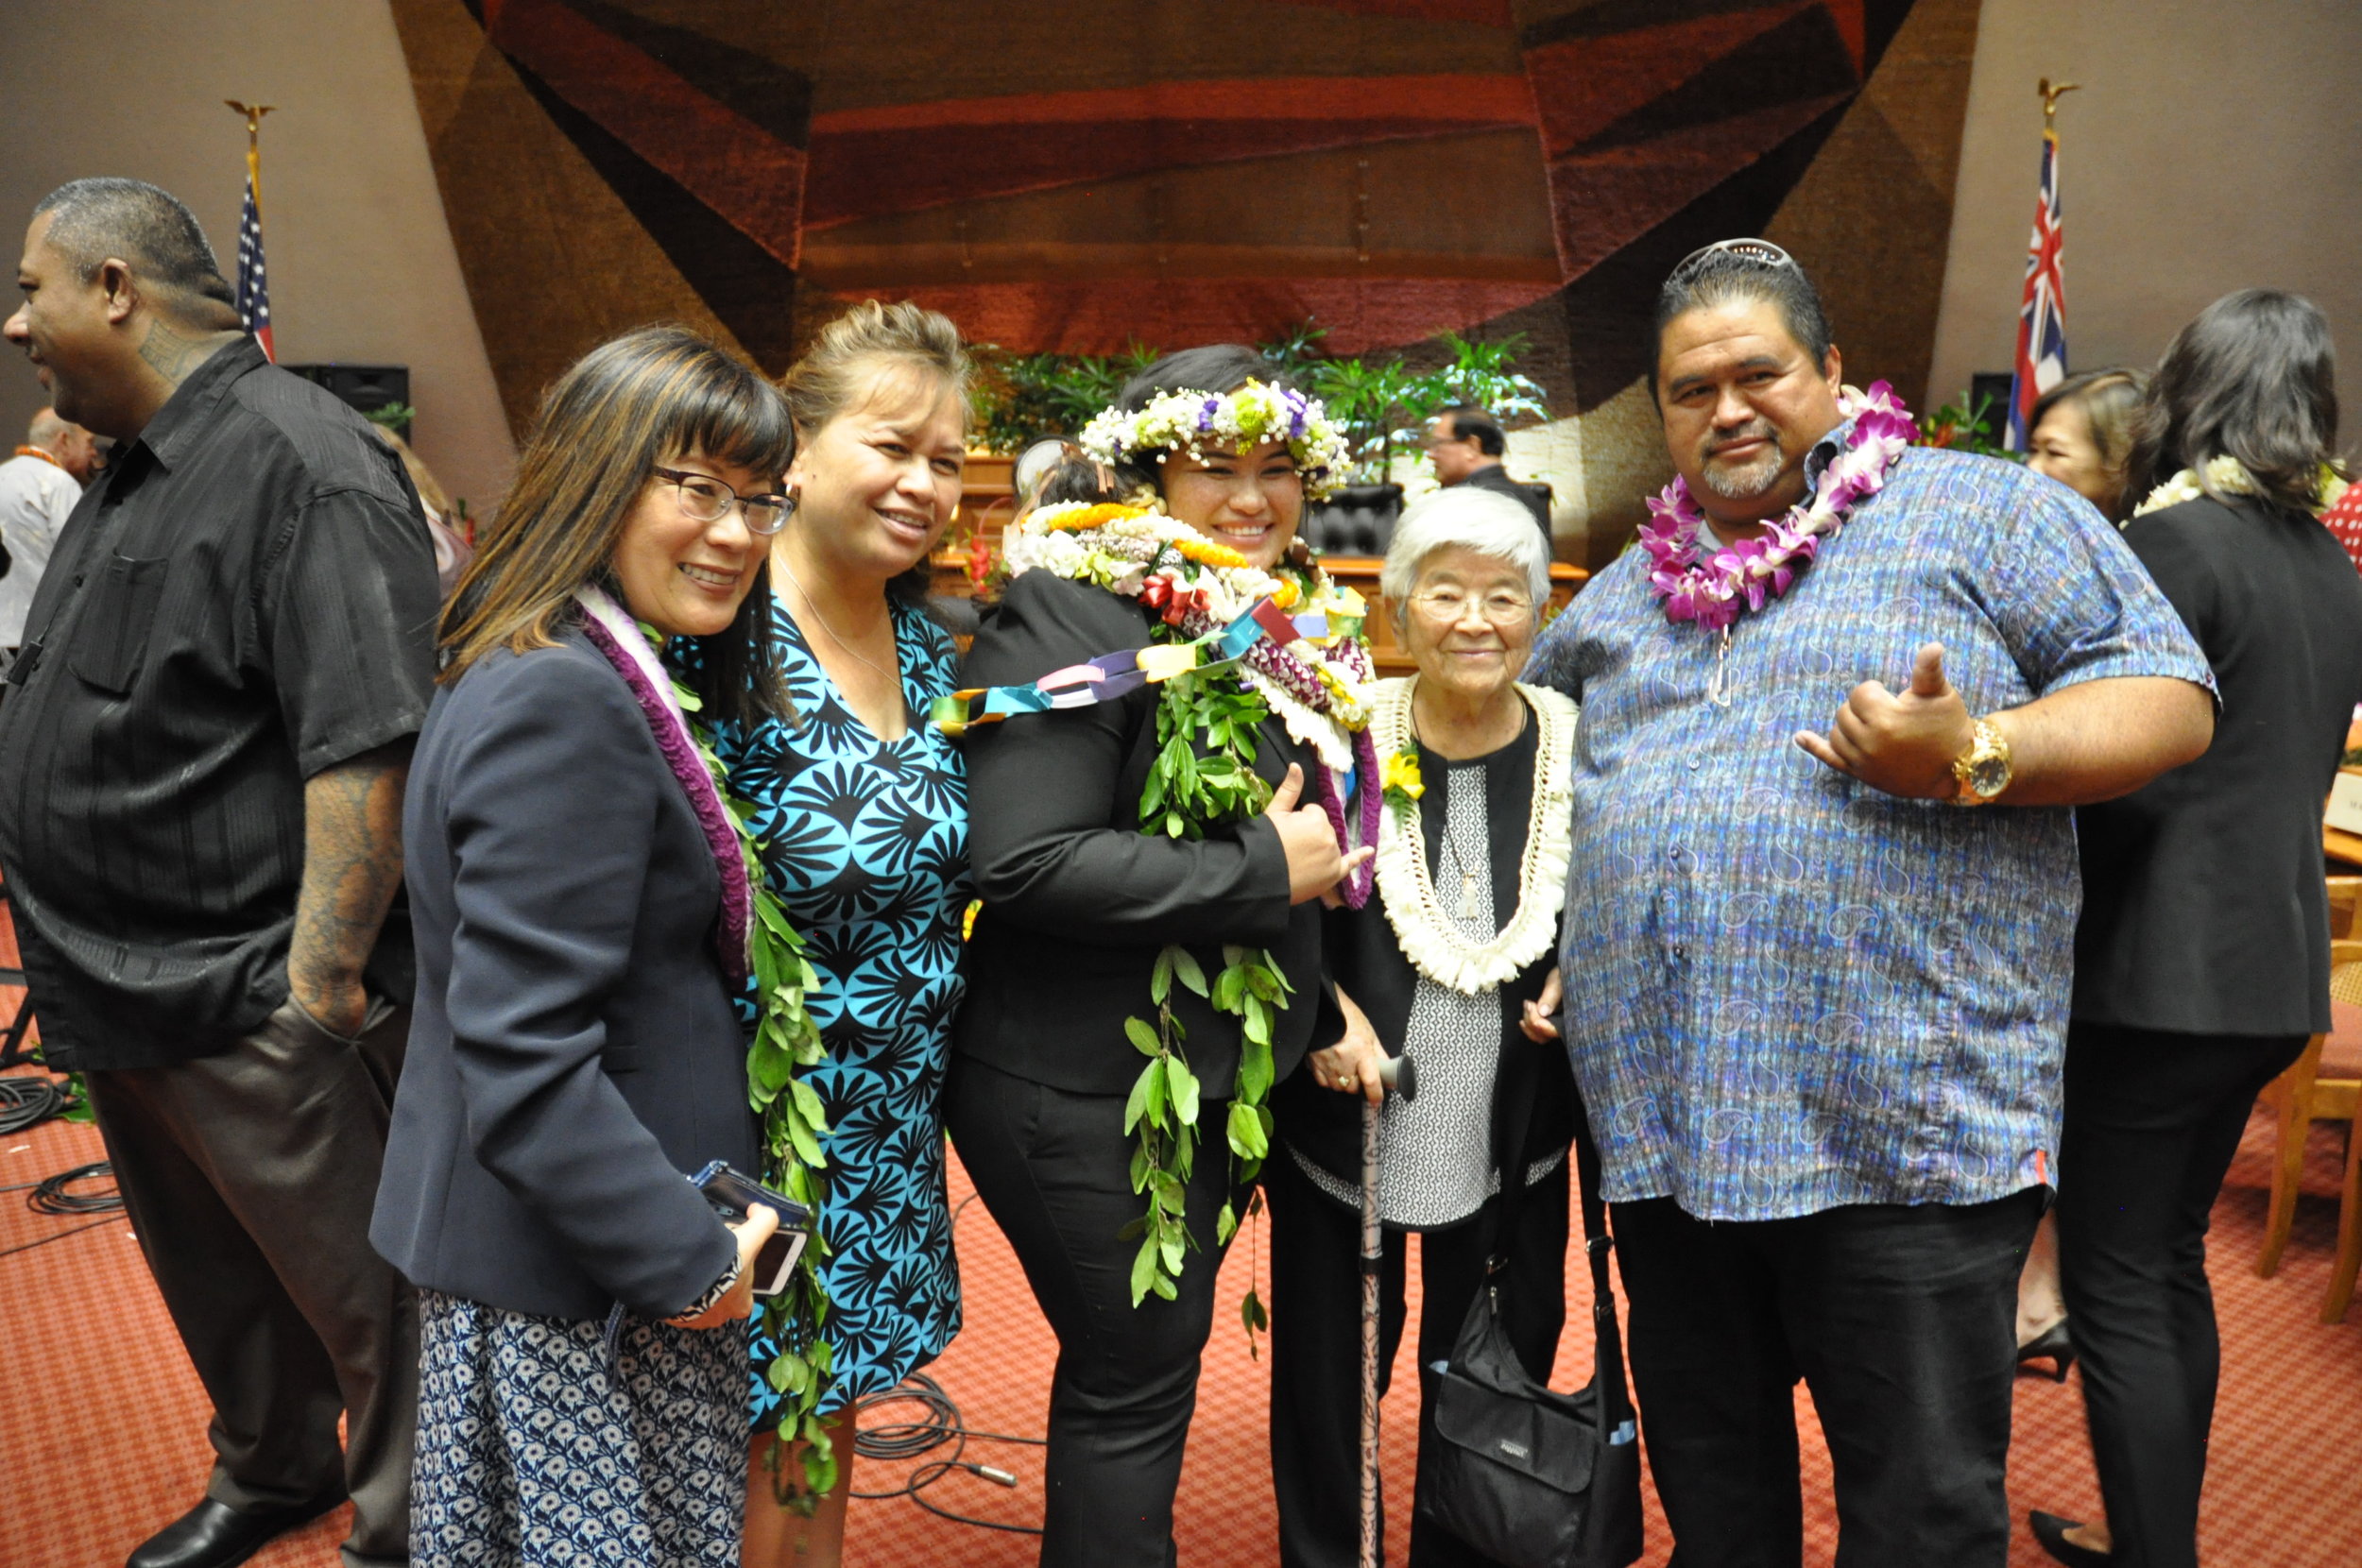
(1453, 963)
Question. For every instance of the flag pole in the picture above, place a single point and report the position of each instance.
(253, 113)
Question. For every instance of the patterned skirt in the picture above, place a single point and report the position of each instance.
(534, 1452)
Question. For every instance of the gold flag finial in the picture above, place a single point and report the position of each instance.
(2050, 91)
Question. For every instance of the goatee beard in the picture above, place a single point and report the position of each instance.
(1747, 483)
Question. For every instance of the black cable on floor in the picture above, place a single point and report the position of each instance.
(61, 1236)
(51, 1195)
(939, 1424)
(27, 1100)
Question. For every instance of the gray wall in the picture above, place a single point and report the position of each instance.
(2213, 147)
(362, 266)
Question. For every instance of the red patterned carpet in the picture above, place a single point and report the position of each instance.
(102, 1422)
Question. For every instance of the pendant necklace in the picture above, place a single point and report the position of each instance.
(1469, 906)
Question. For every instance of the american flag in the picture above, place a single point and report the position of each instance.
(2042, 314)
(253, 290)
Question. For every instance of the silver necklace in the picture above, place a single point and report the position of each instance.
(1471, 905)
(834, 636)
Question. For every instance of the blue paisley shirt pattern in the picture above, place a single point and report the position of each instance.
(1787, 991)
(865, 843)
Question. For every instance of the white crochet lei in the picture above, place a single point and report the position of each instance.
(1435, 946)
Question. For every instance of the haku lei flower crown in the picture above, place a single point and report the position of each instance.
(1227, 421)
(1749, 573)
(1212, 693)
(2226, 475)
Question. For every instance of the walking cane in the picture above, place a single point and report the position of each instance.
(1401, 1075)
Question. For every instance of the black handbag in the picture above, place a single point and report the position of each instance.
(1526, 1477)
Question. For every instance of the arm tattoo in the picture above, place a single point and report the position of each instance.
(352, 865)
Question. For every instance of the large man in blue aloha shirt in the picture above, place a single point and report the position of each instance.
(1818, 969)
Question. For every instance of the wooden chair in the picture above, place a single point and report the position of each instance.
(2324, 1086)
(2349, 1261)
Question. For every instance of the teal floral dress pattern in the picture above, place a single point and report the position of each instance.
(865, 840)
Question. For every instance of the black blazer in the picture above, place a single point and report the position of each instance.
(1077, 899)
(1366, 962)
(572, 1050)
(2203, 908)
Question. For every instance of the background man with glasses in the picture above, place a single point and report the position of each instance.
(1466, 444)
(1817, 972)
(202, 749)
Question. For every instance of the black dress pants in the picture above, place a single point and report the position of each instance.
(1055, 1169)
(1902, 1319)
(2152, 1121)
(249, 1176)
(1316, 1347)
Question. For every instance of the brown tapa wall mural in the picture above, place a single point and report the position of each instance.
(1074, 175)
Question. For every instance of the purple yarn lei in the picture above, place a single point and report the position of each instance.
(687, 761)
(1359, 882)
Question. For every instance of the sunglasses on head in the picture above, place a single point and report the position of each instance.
(1761, 253)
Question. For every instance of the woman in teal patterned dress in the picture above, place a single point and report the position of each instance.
(860, 807)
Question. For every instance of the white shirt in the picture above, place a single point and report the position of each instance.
(36, 497)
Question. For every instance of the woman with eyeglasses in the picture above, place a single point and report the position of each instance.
(573, 1053)
(1454, 960)
(860, 807)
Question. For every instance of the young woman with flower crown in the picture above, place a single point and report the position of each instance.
(1147, 962)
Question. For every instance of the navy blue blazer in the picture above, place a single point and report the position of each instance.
(572, 1049)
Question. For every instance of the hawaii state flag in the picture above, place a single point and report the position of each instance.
(2042, 314)
(253, 290)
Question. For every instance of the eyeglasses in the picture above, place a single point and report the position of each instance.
(1501, 608)
(705, 499)
(1761, 253)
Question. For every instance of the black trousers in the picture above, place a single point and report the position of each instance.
(249, 1176)
(1316, 1347)
(1902, 1319)
(1055, 1168)
(2152, 1121)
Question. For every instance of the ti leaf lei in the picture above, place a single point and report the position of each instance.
(786, 1045)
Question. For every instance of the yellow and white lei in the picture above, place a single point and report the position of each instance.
(1125, 550)
(2227, 475)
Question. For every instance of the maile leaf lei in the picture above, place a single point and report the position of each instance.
(1203, 779)
(786, 1046)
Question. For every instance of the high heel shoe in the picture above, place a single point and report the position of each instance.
(2051, 1530)
(2052, 1345)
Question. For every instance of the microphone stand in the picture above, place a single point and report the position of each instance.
(1401, 1076)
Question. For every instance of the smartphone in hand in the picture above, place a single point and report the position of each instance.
(732, 1193)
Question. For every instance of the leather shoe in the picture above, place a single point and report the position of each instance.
(214, 1535)
(2052, 1532)
(2052, 1345)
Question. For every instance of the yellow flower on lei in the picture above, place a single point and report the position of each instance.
(1398, 776)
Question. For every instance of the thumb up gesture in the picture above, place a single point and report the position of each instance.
(1904, 744)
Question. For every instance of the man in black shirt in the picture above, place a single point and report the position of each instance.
(1465, 445)
(202, 747)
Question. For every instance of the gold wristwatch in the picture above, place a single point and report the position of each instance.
(1983, 770)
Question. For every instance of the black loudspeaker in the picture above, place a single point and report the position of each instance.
(1992, 389)
(365, 388)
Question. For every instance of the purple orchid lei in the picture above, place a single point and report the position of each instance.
(1748, 575)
